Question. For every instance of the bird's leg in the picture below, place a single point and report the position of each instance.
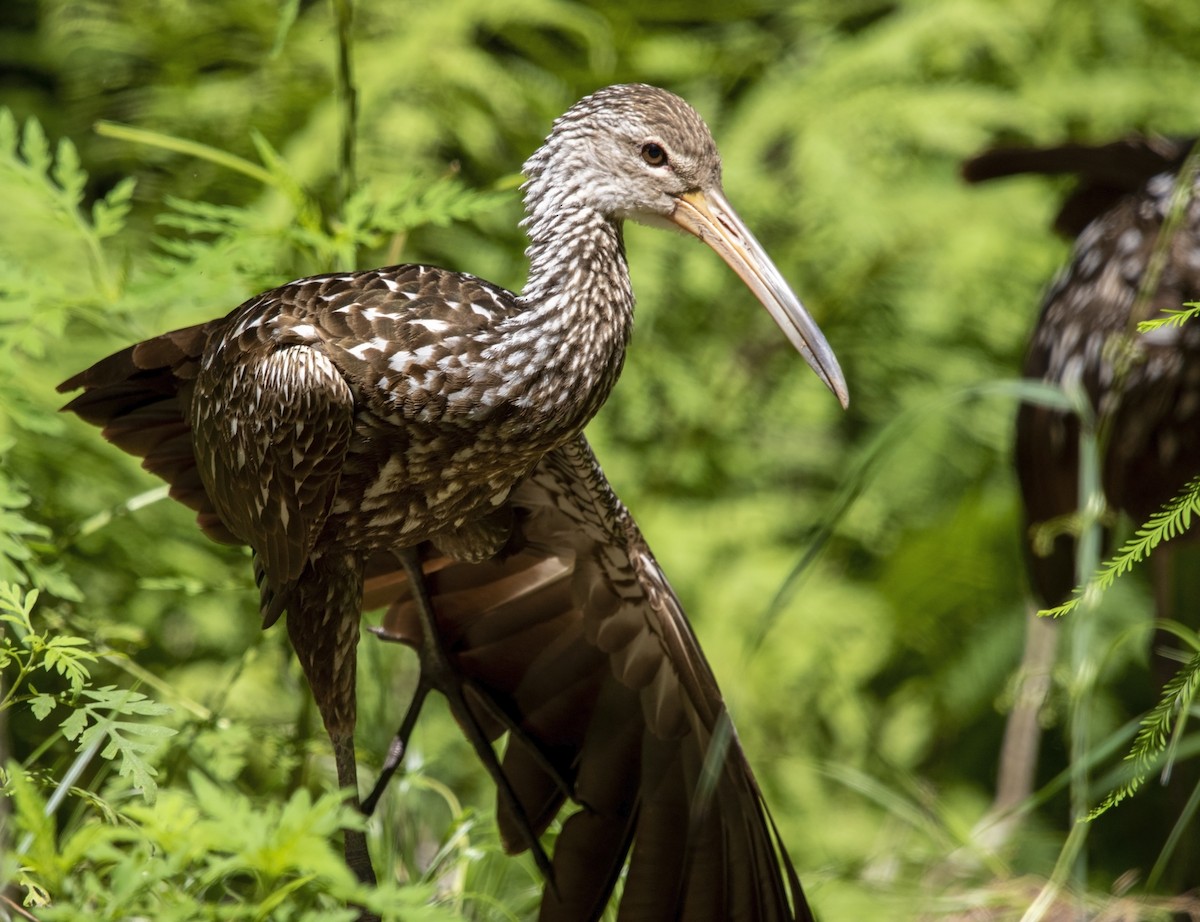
(1022, 733)
(399, 747)
(323, 624)
(438, 672)
(354, 841)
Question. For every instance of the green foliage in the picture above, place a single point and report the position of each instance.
(1164, 726)
(16, 530)
(196, 853)
(54, 183)
(94, 715)
(95, 721)
(193, 855)
(30, 651)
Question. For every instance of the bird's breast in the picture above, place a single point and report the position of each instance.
(406, 482)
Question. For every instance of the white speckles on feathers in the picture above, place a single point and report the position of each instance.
(363, 350)
(306, 331)
(433, 325)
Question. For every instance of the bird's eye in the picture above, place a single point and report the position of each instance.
(653, 154)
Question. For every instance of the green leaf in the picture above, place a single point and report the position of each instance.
(68, 173)
(1170, 318)
(16, 605)
(289, 10)
(183, 146)
(42, 705)
(131, 764)
(31, 819)
(125, 701)
(64, 656)
(75, 724)
(35, 150)
(127, 740)
(8, 133)
(110, 212)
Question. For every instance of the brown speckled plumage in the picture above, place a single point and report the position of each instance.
(346, 424)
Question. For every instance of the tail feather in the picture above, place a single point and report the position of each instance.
(139, 398)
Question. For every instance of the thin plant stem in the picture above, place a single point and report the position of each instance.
(1081, 636)
(348, 97)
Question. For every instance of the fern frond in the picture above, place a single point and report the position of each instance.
(17, 532)
(110, 212)
(52, 177)
(439, 203)
(218, 251)
(1171, 521)
(1155, 731)
(1171, 318)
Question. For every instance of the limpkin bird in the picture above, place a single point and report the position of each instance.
(412, 436)
(1143, 389)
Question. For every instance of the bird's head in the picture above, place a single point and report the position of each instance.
(627, 152)
(641, 153)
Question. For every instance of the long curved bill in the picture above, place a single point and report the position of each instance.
(708, 215)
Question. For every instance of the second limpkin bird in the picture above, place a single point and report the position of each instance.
(420, 430)
(1130, 262)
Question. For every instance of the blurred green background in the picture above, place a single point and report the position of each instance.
(869, 682)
